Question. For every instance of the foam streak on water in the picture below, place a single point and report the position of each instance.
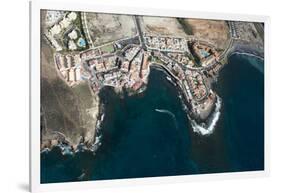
(169, 113)
(208, 128)
(165, 111)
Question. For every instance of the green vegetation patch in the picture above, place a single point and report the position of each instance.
(108, 48)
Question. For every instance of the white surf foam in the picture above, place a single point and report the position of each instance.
(209, 128)
(248, 54)
(165, 111)
(169, 113)
(254, 64)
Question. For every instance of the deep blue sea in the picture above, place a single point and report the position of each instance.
(140, 141)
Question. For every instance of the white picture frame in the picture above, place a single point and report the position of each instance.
(88, 5)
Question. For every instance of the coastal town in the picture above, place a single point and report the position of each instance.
(191, 63)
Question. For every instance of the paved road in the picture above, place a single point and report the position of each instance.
(259, 27)
(233, 29)
(86, 30)
(140, 32)
(224, 53)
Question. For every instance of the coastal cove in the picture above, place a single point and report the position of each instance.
(149, 134)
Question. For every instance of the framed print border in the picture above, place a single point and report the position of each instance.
(87, 5)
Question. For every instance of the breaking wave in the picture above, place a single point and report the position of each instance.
(248, 54)
(207, 129)
(254, 64)
(169, 113)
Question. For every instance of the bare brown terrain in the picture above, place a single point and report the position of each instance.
(215, 31)
(67, 111)
(104, 28)
(162, 26)
(248, 34)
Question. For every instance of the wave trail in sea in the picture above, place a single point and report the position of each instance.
(169, 113)
(207, 129)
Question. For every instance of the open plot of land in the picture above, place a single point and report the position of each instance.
(215, 31)
(70, 111)
(248, 33)
(107, 48)
(162, 26)
(104, 28)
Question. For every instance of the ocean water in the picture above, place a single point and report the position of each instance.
(149, 134)
(241, 86)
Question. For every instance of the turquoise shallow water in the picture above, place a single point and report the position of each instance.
(140, 141)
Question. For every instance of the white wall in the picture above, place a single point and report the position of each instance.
(14, 95)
